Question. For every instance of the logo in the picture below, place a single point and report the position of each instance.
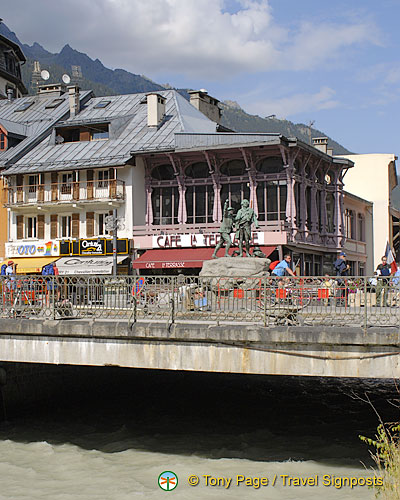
(167, 480)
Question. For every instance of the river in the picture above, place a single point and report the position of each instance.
(111, 434)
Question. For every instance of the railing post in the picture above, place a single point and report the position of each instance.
(365, 305)
(53, 296)
(173, 300)
(265, 302)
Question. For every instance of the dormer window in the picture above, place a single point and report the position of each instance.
(85, 133)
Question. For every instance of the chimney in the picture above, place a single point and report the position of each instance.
(74, 102)
(53, 89)
(155, 109)
(206, 104)
(330, 151)
(321, 143)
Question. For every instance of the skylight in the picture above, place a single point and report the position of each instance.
(53, 104)
(101, 104)
(24, 106)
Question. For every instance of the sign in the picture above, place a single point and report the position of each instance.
(197, 240)
(86, 265)
(37, 248)
(92, 247)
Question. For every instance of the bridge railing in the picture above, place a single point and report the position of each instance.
(357, 301)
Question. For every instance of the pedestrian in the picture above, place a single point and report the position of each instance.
(283, 267)
(396, 286)
(383, 280)
(341, 269)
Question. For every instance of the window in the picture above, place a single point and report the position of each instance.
(197, 171)
(361, 227)
(165, 202)
(271, 165)
(99, 132)
(54, 103)
(349, 221)
(235, 193)
(66, 226)
(163, 173)
(24, 106)
(3, 141)
(330, 212)
(102, 104)
(233, 168)
(66, 183)
(33, 181)
(31, 227)
(271, 200)
(101, 225)
(199, 204)
(103, 177)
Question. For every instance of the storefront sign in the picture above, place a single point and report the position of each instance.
(39, 248)
(92, 247)
(197, 240)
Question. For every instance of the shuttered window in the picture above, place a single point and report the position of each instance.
(89, 224)
(53, 226)
(20, 227)
(40, 227)
(75, 225)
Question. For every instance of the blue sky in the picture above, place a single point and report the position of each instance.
(337, 63)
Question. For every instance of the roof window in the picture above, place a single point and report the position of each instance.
(54, 103)
(24, 106)
(102, 104)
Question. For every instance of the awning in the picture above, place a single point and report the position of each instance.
(87, 265)
(179, 258)
(30, 264)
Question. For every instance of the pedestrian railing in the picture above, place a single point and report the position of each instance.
(347, 301)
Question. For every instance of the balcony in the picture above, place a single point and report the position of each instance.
(65, 192)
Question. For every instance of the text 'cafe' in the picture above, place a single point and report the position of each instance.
(187, 252)
(83, 256)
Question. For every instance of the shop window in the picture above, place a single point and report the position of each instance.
(199, 204)
(271, 200)
(165, 203)
(233, 168)
(272, 165)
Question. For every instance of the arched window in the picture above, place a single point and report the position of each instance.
(272, 165)
(271, 200)
(330, 212)
(233, 168)
(165, 203)
(163, 173)
(197, 170)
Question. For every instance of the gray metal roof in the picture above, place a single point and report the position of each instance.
(129, 134)
(34, 123)
(184, 141)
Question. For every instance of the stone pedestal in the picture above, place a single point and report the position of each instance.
(236, 267)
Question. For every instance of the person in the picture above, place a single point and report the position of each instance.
(283, 267)
(382, 286)
(341, 269)
(396, 286)
(243, 221)
(225, 231)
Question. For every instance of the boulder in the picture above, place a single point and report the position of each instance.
(235, 270)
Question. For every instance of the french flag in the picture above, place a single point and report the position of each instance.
(390, 258)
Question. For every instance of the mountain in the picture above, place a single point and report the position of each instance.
(104, 81)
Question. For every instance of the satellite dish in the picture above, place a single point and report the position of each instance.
(59, 139)
(66, 79)
(45, 74)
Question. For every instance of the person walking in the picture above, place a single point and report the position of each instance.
(382, 286)
(341, 269)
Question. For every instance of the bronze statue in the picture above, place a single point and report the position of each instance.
(243, 222)
(225, 231)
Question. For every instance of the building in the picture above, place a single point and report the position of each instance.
(374, 178)
(11, 59)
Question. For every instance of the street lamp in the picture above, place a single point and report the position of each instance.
(114, 224)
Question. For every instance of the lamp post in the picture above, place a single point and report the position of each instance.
(114, 224)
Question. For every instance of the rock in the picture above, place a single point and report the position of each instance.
(236, 268)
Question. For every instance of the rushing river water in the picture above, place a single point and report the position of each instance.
(113, 441)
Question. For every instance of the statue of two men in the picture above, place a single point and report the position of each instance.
(242, 223)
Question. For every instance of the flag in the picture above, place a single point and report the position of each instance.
(390, 258)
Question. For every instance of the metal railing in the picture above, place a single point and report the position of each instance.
(109, 189)
(353, 301)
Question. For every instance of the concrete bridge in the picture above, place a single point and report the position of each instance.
(322, 350)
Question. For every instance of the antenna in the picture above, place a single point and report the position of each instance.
(45, 75)
(66, 79)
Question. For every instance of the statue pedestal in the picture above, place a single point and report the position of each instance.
(236, 267)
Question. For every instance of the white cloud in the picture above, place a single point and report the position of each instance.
(191, 37)
(294, 104)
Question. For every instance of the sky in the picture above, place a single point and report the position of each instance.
(336, 63)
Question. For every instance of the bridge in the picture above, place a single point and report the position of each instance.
(306, 327)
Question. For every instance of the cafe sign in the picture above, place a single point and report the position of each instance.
(38, 248)
(197, 240)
